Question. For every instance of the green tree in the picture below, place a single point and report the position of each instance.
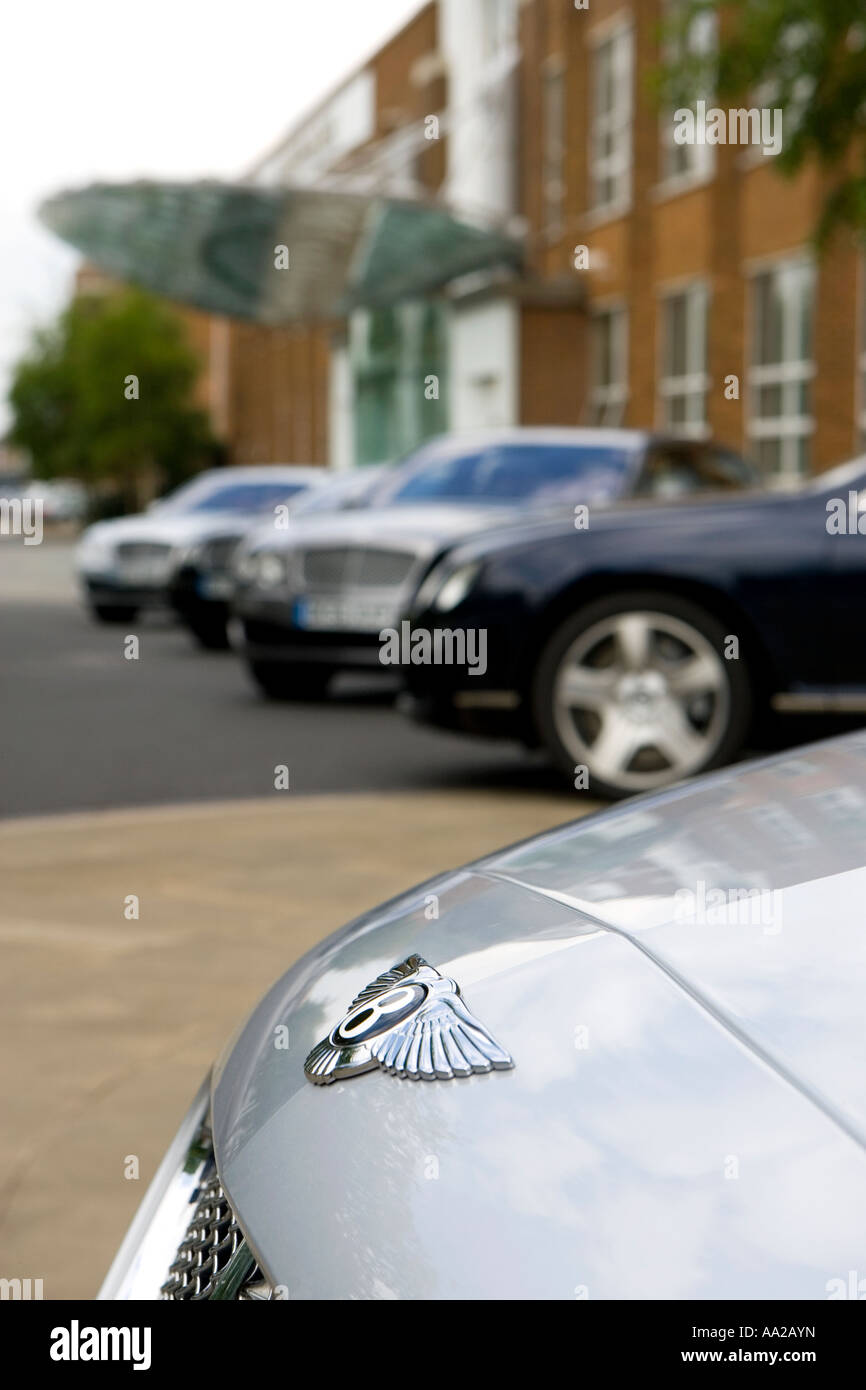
(106, 395)
(807, 57)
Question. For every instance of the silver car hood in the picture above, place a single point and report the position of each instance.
(420, 528)
(169, 529)
(686, 1116)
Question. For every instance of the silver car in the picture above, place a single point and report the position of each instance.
(203, 585)
(624, 1059)
(128, 563)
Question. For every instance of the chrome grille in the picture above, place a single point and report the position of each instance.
(134, 551)
(325, 568)
(214, 1252)
(384, 567)
(217, 553)
(355, 566)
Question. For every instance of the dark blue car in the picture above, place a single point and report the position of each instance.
(638, 644)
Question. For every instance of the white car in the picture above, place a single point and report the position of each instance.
(203, 584)
(62, 499)
(128, 563)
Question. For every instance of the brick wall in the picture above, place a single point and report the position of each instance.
(746, 213)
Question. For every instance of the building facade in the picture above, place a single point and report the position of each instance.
(707, 310)
(663, 284)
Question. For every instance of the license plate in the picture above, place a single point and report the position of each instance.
(215, 586)
(342, 614)
(143, 572)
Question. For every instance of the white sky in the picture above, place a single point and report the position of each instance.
(100, 89)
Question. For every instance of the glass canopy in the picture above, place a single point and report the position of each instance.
(274, 256)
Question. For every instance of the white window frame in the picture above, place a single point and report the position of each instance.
(498, 27)
(607, 400)
(618, 120)
(691, 386)
(701, 161)
(554, 137)
(789, 427)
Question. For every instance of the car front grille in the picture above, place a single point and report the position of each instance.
(349, 567)
(213, 1260)
(185, 1242)
(133, 552)
(144, 561)
(217, 553)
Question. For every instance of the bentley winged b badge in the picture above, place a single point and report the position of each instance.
(411, 1022)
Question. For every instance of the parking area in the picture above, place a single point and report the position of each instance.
(94, 730)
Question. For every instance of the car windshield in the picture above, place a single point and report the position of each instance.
(354, 490)
(246, 497)
(540, 475)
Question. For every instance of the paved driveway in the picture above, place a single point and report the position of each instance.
(108, 1025)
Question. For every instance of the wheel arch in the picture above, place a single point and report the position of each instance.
(762, 674)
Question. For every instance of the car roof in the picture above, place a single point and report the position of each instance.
(262, 472)
(553, 435)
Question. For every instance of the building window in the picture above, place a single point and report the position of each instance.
(553, 156)
(781, 369)
(683, 382)
(391, 351)
(693, 162)
(498, 26)
(610, 367)
(610, 140)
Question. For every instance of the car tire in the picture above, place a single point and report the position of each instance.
(284, 681)
(113, 613)
(211, 634)
(648, 672)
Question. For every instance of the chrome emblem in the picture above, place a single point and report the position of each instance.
(411, 1022)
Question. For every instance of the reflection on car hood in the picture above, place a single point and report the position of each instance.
(170, 528)
(687, 1110)
(421, 527)
(720, 515)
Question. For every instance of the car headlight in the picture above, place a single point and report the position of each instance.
(94, 556)
(445, 588)
(187, 554)
(264, 568)
(214, 554)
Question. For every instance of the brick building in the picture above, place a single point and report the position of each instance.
(662, 284)
(700, 264)
(280, 394)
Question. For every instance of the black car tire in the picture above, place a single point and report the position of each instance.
(670, 620)
(210, 633)
(113, 612)
(286, 681)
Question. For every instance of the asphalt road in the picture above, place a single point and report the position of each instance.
(84, 728)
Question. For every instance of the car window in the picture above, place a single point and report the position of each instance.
(510, 474)
(726, 468)
(677, 469)
(245, 497)
(353, 490)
